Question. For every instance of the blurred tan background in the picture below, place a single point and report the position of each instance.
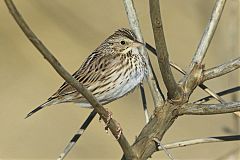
(71, 30)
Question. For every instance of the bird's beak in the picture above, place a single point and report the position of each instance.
(138, 44)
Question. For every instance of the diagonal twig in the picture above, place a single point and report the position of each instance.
(174, 91)
(77, 135)
(113, 125)
(222, 93)
(159, 144)
(208, 33)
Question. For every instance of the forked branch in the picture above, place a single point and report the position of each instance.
(113, 125)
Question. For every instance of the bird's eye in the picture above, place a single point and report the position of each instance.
(123, 42)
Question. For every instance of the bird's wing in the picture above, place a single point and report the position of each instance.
(91, 73)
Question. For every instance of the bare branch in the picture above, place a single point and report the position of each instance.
(144, 102)
(222, 93)
(77, 135)
(159, 144)
(113, 125)
(221, 69)
(156, 92)
(208, 109)
(201, 141)
(208, 33)
(174, 91)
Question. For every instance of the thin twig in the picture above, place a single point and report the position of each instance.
(144, 102)
(222, 93)
(77, 135)
(201, 141)
(174, 91)
(134, 24)
(221, 69)
(113, 125)
(208, 33)
(208, 109)
(159, 144)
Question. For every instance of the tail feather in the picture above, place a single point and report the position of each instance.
(38, 108)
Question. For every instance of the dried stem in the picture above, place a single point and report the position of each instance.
(208, 109)
(144, 102)
(113, 125)
(208, 33)
(77, 135)
(174, 91)
(201, 141)
(221, 69)
(152, 81)
(222, 93)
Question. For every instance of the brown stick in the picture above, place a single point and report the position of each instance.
(174, 91)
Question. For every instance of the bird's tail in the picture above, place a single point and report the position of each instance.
(48, 103)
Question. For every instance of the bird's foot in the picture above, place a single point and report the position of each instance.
(109, 117)
(119, 131)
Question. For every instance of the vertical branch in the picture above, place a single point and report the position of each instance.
(208, 33)
(134, 24)
(174, 91)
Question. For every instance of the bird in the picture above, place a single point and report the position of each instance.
(114, 69)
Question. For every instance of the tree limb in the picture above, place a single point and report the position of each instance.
(174, 91)
(156, 92)
(201, 141)
(221, 69)
(208, 109)
(113, 125)
(208, 33)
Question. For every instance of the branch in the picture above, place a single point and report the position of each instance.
(201, 141)
(113, 125)
(223, 93)
(221, 69)
(156, 92)
(208, 33)
(144, 102)
(208, 109)
(174, 91)
(77, 135)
